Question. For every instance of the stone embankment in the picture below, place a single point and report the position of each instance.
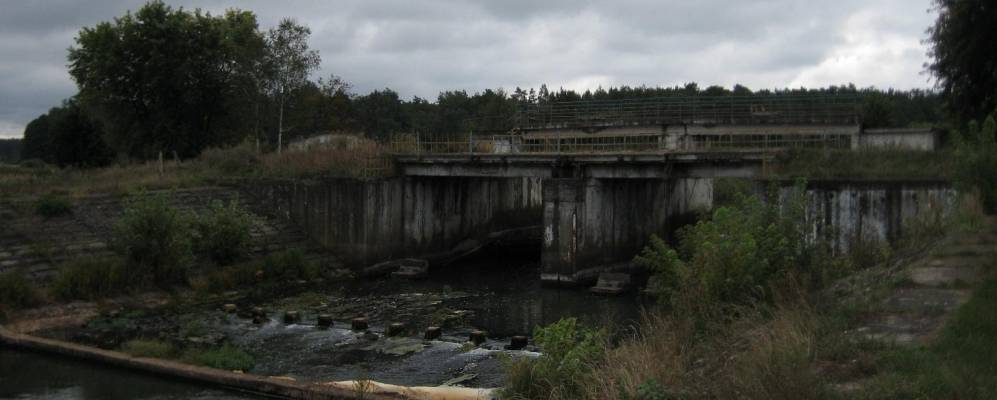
(39, 246)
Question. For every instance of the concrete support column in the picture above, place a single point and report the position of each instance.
(590, 224)
(562, 202)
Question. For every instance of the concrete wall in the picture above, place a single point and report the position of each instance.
(595, 222)
(366, 221)
(845, 211)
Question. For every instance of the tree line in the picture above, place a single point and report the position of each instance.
(166, 79)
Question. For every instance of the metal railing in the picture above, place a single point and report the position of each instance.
(774, 109)
(659, 143)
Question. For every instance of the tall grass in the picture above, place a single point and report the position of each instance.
(366, 158)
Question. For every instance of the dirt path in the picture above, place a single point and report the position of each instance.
(926, 291)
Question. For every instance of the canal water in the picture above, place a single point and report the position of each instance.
(33, 376)
(499, 290)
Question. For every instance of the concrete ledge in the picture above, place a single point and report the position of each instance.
(269, 386)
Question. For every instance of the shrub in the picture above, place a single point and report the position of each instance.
(91, 278)
(278, 270)
(976, 166)
(16, 291)
(733, 256)
(568, 355)
(149, 348)
(155, 240)
(53, 205)
(224, 232)
(227, 357)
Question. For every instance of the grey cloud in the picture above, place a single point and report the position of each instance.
(423, 47)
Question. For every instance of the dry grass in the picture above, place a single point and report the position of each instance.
(366, 158)
(763, 354)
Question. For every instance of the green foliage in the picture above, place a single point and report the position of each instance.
(963, 57)
(976, 168)
(651, 390)
(66, 136)
(734, 256)
(149, 348)
(92, 278)
(288, 265)
(155, 239)
(15, 291)
(868, 163)
(228, 357)
(166, 79)
(568, 355)
(223, 233)
(53, 205)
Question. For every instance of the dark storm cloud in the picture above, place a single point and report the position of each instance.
(423, 47)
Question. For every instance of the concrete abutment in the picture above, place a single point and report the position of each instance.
(589, 223)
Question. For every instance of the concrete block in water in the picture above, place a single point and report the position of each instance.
(230, 308)
(611, 283)
(291, 317)
(258, 312)
(477, 337)
(395, 329)
(324, 320)
(433, 332)
(359, 324)
(518, 342)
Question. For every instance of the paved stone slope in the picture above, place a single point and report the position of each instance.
(38, 246)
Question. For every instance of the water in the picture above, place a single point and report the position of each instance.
(33, 376)
(509, 298)
(501, 290)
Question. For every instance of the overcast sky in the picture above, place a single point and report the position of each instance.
(423, 47)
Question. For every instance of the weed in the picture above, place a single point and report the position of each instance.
(53, 205)
(227, 357)
(568, 355)
(149, 348)
(92, 278)
(15, 291)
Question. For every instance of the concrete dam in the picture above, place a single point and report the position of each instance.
(586, 222)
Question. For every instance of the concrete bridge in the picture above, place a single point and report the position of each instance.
(600, 181)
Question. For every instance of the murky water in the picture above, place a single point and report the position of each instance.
(32, 376)
(498, 292)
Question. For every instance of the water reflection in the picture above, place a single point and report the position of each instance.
(26, 375)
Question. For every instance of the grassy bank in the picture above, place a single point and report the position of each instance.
(362, 159)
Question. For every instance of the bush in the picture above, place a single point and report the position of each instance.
(976, 167)
(91, 278)
(568, 355)
(227, 357)
(16, 291)
(734, 256)
(155, 240)
(277, 270)
(53, 205)
(224, 232)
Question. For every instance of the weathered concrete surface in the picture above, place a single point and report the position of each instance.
(846, 211)
(366, 221)
(594, 222)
